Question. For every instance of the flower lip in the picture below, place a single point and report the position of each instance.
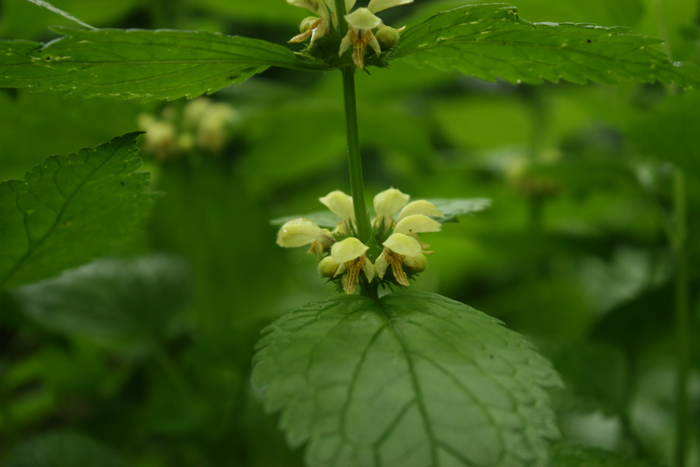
(379, 5)
(363, 19)
(299, 232)
(420, 206)
(347, 250)
(340, 204)
(415, 224)
(403, 245)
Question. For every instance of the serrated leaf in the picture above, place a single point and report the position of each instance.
(161, 64)
(491, 41)
(113, 298)
(568, 454)
(70, 210)
(413, 380)
(63, 449)
(451, 208)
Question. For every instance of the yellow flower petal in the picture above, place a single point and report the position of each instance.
(314, 6)
(415, 224)
(379, 5)
(363, 19)
(347, 250)
(419, 207)
(415, 263)
(327, 267)
(381, 264)
(402, 244)
(388, 202)
(299, 232)
(348, 5)
(339, 203)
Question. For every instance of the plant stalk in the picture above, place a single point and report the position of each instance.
(683, 318)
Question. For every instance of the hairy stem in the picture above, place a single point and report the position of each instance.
(683, 320)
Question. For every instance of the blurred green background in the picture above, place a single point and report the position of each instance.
(144, 360)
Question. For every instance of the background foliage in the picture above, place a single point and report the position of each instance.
(144, 360)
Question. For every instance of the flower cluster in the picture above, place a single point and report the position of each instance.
(394, 245)
(364, 27)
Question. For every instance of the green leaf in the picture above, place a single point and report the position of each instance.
(114, 298)
(415, 379)
(490, 41)
(568, 454)
(70, 210)
(159, 64)
(453, 207)
(323, 218)
(63, 449)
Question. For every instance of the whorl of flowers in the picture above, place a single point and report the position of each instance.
(392, 254)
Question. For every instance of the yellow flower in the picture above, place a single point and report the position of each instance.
(361, 22)
(388, 202)
(350, 256)
(302, 231)
(403, 248)
(313, 27)
(341, 204)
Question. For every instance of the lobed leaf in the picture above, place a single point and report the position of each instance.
(491, 41)
(160, 64)
(70, 210)
(413, 380)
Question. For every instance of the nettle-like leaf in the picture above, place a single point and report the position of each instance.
(450, 208)
(70, 210)
(490, 41)
(160, 64)
(414, 380)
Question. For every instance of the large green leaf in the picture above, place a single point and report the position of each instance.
(413, 380)
(70, 210)
(63, 449)
(490, 41)
(111, 297)
(159, 64)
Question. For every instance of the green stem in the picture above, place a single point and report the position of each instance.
(357, 186)
(683, 320)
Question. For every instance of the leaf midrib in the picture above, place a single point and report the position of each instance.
(32, 248)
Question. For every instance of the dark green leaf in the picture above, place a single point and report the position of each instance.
(573, 455)
(490, 41)
(111, 297)
(70, 210)
(58, 11)
(160, 64)
(415, 379)
(63, 449)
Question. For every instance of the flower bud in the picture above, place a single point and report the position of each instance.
(387, 36)
(415, 263)
(307, 23)
(327, 267)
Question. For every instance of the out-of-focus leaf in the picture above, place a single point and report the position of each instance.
(70, 210)
(259, 11)
(60, 122)
(325, 219)
(490, 41)
(669, 132)
(405, 380)
(63, 449)
(159, 64)
(594, 376)
(567, 454)
(60, 12)
(452, 208)
(118, 298)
